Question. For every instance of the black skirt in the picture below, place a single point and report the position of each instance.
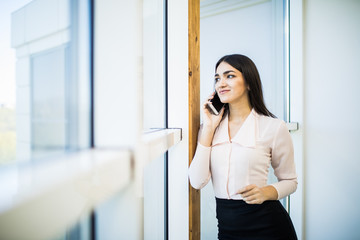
(239, 220)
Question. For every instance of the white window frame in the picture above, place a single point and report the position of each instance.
(296, 111)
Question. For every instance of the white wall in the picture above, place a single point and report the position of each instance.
(254, 31)
(331, 114)
(324, 81)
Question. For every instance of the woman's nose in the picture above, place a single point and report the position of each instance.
(221, 82)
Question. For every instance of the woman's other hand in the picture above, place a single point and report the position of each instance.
(252, 194)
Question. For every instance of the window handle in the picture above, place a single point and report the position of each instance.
(292, 126)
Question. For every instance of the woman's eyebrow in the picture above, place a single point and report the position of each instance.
(225, 73)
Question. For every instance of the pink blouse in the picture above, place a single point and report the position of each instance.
(245, 159)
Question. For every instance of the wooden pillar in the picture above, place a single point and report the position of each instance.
(194, 110)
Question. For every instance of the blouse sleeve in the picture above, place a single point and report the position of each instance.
(283, 162)
(199, 170)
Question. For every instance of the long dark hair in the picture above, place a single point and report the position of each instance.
(252, 79)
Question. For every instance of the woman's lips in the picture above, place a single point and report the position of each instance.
(223, 91)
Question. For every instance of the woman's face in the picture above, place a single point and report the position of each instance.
(230, 84)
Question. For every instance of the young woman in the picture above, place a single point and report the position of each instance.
(235, 149)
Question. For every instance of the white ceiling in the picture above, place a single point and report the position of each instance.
(213, 7)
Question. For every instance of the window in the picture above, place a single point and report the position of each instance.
(53, 85)
(127, 131)
(47, 112)
(150, 75)
(49, 121)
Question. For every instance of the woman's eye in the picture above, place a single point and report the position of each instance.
(217, 79)
(230, 76)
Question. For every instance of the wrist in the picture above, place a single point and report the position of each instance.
(270, 193)
(206, 136)
(208, 128)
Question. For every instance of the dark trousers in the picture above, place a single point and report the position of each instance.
(239, 220)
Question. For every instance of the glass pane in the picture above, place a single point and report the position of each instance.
(8, 139)
(46, 79)
(254, 30)
(80, 231)
(49, 118)
(121, 216)
(154, 77)
(154, 114)
(154, 200)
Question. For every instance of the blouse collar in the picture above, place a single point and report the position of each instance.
(246, 135)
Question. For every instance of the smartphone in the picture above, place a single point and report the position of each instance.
(215, 105)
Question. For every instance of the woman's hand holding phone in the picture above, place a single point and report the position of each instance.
(210, 123)
(209, 118)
